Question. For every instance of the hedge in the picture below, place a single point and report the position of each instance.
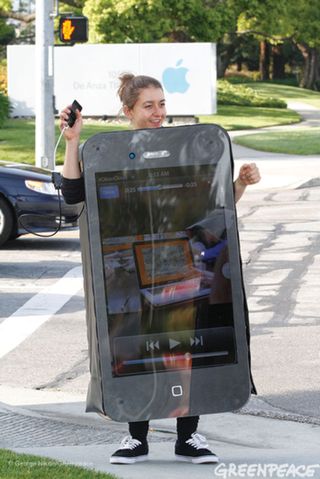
(242, 95)
(4, 108)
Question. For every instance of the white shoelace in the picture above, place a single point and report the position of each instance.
(129, 443)
(198, 441)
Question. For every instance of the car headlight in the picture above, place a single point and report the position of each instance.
(47, 188)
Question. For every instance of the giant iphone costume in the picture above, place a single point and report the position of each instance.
(166, 311)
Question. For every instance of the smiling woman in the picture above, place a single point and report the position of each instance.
(143, 101)
(149, 111)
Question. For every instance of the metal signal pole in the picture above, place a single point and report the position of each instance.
(44, 80)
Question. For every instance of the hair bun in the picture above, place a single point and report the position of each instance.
(125, 79)
(131, 86)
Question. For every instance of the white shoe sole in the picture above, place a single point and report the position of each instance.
(198, 460)
(128, 460)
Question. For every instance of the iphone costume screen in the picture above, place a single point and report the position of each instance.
(166, 310)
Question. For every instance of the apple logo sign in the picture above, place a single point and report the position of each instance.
(174, 79)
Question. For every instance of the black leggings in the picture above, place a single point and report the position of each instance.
(185, 427)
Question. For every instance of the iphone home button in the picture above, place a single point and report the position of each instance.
(176, 391)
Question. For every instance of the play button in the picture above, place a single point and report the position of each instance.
(173, 343)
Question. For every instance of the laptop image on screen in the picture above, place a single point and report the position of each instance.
(166, 272)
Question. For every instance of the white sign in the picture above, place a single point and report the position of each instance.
(89, 73)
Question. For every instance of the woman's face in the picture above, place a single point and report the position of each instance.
(149, 110)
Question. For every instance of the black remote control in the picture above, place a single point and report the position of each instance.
(72, 117)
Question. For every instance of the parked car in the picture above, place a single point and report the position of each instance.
(29, 201)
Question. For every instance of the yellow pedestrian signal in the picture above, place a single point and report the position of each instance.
(73, 29)
(67, 30)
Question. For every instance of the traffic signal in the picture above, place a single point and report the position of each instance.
(73, 29)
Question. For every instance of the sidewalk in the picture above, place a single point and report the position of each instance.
(281, 170)
(88, 440)
(54, 424)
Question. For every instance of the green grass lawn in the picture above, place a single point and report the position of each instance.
(23, 466)
(17, 137)
(302, 142)
(286, 92)
(233, 117)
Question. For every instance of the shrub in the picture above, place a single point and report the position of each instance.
(3, 76)
(4, 108)
(242, 95)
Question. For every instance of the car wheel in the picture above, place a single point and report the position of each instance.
(6, 221)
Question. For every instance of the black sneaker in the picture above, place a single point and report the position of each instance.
(195, 450)
(130, 451)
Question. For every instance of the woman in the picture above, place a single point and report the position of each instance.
(143, 104)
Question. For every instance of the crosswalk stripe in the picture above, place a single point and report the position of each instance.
(41, 307)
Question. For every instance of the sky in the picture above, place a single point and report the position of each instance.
(27, 3)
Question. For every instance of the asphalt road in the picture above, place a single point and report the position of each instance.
(280, 232)
(57, 350)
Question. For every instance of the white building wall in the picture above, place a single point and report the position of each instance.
(89, 73)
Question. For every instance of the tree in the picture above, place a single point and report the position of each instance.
(5, 5)
(75, 6)
(269, 28)
(115, 21)
(305, 24)
(295, 20)
(7, 11)
(6, 31)
(158, 20)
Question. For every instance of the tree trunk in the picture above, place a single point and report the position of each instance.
(264, 60)
(278, 63)
(178, 36)
(311, 69)
(239, 64)
(225, 52)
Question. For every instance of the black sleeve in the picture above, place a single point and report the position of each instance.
(73, 190)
